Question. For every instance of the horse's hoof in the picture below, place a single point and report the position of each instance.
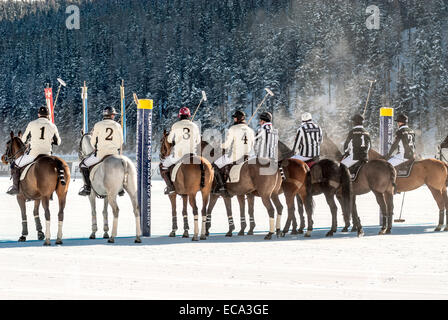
(268, 236)
(105, 235)
(250, 233)
(308, 234)
(299, 232)
(283, 234)
(59, 241)
(22, 239)
(445, 230)
(329, 234)
(344, 229)
(229, 234)
(92, 236)
(207, 234)
(138, 240)
(382, 232)
(195, 238)
(111, 240)
(388, 231)
(354, 229)
(203, 237)
(185, 235)
(241, 233)
(47, 243)
(40, 236)
(172, 234)
(360, 234)
(294, 232)
(438, 229)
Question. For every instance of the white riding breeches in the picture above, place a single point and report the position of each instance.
(397, 159)
(169, 161)
(299, 157)
(349, 162)
(24, 160)
(90, 161)
(223, 161)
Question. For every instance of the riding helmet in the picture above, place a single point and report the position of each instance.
(358, 119)
(239, 115)
(43, 111)
(109, 111)
(402, 118)
(184, 112)
(307, 117)
(266, 116)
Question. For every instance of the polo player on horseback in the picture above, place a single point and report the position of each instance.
(308, 140)
(404, 143)
(239, 144)
(357, 144)
(107, 139)
(186, 137)
(41, 134)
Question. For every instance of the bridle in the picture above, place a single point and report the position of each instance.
(81, 153)
(8, 156)
(164, 149)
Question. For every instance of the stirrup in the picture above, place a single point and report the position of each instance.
(85, 191)
(121, 193)
(13, 191)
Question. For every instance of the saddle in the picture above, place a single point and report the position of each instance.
(188, 159)
(354, 170)
(24, 170)
(404, 169)
(312, 162)
(231, 172)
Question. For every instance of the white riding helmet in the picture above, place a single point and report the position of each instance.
(307, 117)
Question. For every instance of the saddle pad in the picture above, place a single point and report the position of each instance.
(354, 171)
(175, 170)
(25, 170)
(404, 171)
(235, 172)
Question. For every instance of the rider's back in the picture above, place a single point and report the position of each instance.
(41, 134)
(107, 137)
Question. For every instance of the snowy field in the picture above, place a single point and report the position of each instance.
(412, 263)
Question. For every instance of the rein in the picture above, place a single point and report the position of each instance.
(13, 157)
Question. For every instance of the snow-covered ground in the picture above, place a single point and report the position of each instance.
(412, 263)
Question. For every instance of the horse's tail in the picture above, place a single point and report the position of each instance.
(61, 172)
(126, 173)
(346, 187)
(446, 166)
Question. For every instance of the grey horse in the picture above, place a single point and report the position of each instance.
(112, 175)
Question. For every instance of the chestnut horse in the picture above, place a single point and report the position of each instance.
(43, 178)
(195, 174)
(433, 173)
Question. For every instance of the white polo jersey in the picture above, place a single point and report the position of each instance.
(186, 137)
(41, 134)
(240, 140)
(107, 138)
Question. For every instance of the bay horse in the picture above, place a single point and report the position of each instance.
(433, 173)
(268, 187)
(46, 175)
(377, 176)
(113, 174)
(195, 174)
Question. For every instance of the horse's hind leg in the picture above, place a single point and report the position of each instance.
(22, 204)
(93, 210)
(382, 203)
(115, 210)
(228, 203)
(242, 203)
(251, 207)
(40, 234)
(46, 205)
(357, 227)
(173, 215)
(105, 219)
(291, 209)
(346, 216)
(279, 207)
(389, 197)
(445, 198)
(185, 216)
(213, 199)
(302, 218)
(439, 197)
(138, 229)
(205, 199)
(192, 199)
(62, 200)
(334, 211)
(271, 212)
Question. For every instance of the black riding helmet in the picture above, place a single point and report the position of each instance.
(239, 115)
(109, 112)
(266, 116)
(402, 118)
(357, 119)
(43, 111)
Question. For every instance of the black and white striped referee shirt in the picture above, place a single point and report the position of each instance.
(308, 140)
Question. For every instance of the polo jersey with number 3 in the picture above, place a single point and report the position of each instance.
(186, 137)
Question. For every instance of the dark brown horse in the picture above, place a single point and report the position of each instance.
(377, 176)
(433, 173)
(195, 174)
(42, 179)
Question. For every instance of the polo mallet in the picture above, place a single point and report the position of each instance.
(402, 203)
(368, 97)
(268, 94)
(61, 83)
(204, 98)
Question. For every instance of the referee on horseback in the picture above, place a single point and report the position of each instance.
(308, 140)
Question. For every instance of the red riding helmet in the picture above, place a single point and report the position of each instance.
(184, 112)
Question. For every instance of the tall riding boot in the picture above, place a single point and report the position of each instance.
(15, 174)
(166, 175)
(85, 191)
(220, 186)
